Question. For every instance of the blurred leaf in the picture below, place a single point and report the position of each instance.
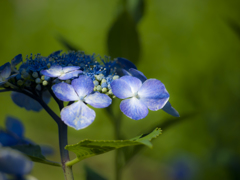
(92, 175)
(130, 152)
(67, 44)
(88, 148)
(136, 8)
(123, 38)
(234, 26)
(35, 154)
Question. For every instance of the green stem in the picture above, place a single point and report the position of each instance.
(118, 153)
(72, 162)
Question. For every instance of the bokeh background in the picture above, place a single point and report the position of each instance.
(192, 46)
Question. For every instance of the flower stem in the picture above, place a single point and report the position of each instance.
(62, 133)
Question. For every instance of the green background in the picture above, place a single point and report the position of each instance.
(192, 46)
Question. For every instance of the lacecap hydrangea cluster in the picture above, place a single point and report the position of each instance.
(83, 80)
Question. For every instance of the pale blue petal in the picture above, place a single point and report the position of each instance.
(70, 68)
(153, 88)
(170, 110)
(98, 100)
(155, 104)
(54, 71)
(7, 139)
(16, 60)
(133, 82)
(65, 92)
(25, 101)
(83, 85)
(6, 71)
(12, 76)
(15, 126)
(78, 115)
(126, 73)
(70, 75)
(121, 89)
(134, 109)
(13, 162)
(138, 74)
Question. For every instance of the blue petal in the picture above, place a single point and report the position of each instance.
(2, 176)
(138, 74)
(155, 104)
(7, 139)
(83, 85)
(78, 115)
(134, 109)
(13, 162)
(65, 92)
(46, 96)
(56, 53)
(133, 82)
(46, 150)
(98, 100)
(70, 75)
(153, 88)
(121, 89)
(16, 60)
(25, 102)
(6, 70)
(125, 64)
(15, 126)
(126, 73)
(70, 68)
(54, 71)
(170, 110)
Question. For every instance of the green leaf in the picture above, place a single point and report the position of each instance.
(92, 175)
(130, 152)
(123, 38)
(88, 148)
(136, 8)
(35, 154)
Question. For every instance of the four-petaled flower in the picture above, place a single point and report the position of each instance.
(138, 74)
(63, 73)
(5, 73)
(151, 94)
(78, 115)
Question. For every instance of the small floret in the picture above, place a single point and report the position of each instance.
(63, 73)
(78, 115)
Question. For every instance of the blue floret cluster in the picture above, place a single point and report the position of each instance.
(83, 80)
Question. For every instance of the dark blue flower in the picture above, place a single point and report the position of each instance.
(13, 135)
(14, 162)
(5, 73)
(151, 94)
(28, 103)
(63, 73)
(138, 74)
(78, 115)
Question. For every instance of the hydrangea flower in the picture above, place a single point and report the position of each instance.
(138, 74)
(13, 162)
(14, 135)
(78, 115)
(5, 73)
(139, 97)
(63, 73)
